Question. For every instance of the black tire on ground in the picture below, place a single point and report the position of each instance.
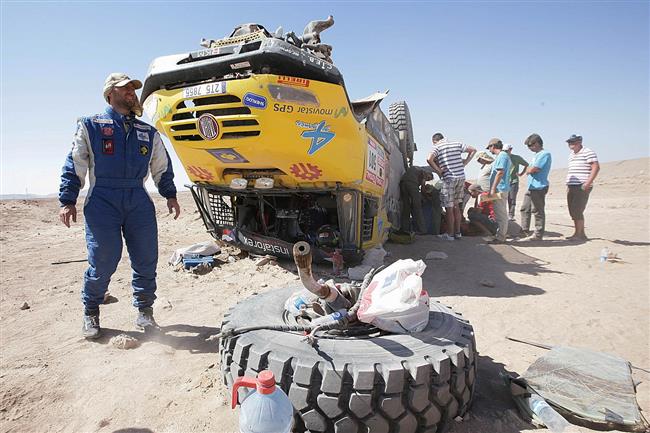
(388, 384)
(400, 118)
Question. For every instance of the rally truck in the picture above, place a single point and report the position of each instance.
(276, 151)
(282, 162)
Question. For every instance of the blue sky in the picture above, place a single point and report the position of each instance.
(472, 70)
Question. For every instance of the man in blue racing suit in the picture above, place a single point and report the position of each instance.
(118, 152)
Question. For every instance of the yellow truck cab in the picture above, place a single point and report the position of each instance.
(276, 151)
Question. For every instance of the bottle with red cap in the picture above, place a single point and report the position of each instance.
(267, 409)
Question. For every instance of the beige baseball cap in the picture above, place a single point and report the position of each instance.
(118, 79)
(493, 142)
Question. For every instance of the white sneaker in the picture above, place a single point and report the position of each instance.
(458, 235)
(445, 237)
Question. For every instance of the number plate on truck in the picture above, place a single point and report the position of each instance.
(205, 89)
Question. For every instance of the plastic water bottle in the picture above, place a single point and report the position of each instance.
(297, 302)
(551, 419)
(267, 410)
(330, 318)
(604, 254)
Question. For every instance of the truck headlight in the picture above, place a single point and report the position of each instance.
(238, 183)
(264, 183)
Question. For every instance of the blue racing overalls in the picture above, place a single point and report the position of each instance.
(118, 152)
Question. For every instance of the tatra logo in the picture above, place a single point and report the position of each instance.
(208, 126)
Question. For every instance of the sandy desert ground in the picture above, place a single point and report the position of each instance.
(554, 292)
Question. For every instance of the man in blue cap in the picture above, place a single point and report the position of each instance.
(583, 169)
(118, 152)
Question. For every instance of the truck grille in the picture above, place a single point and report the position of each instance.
(235, 119)
(366, 228)
(221, 210)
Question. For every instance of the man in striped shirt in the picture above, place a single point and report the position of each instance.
(583, 169)
(447, 161)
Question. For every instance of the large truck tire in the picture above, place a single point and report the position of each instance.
(384, 384)
(400, 118)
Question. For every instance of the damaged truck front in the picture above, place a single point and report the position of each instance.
(277, 153)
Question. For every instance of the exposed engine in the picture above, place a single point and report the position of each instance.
(312, 218)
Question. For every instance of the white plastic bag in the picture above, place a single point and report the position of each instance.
(394, 300)
(207, 248)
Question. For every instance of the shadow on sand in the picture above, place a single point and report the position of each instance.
(493, 409)
(194, 339)
(473, 268)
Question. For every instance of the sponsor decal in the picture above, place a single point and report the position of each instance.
(375, 163)
(142, 127)
(164, 110)
(208, 126)
(266, 245)
(290, 51)
(283, 108)
(341, 112)
(293, 81)
(199, 172)
(142, 136)
(255, 101)
(144, 150)
(107, 131)
(227, 156)
(102, 121)
(306, 171)
(319, 133)
(334, 112)
(205, 89)
(107, 146)
(240, 65)
(316, 110)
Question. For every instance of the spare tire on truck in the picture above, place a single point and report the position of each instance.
(400, 118)
(377, 383)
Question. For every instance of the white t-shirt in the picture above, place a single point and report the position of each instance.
(450, 160)
(580, 166)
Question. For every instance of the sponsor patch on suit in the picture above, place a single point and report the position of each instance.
(143, 136)
(107, 146)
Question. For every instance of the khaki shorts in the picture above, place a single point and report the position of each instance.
(452, 192)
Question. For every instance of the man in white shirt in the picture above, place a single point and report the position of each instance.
(447, 161)
(583, 169)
